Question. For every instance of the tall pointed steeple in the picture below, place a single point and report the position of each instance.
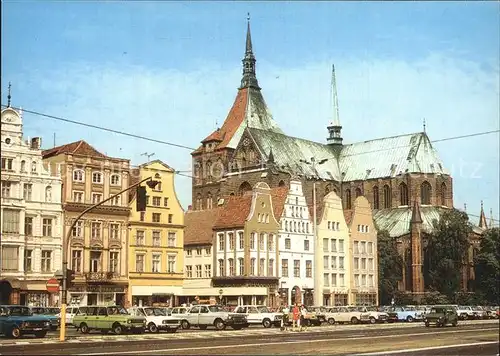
(334, 128)
(249, 79)
(482, 218)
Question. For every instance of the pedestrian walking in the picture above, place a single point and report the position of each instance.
(303, 313)
(285, 318)
(296, 316)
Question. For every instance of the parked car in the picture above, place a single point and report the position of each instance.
(408, 314)
(343, 315)
(372, 315)
(16, 321)
(442, 316)
(207, 315)
(259, 314)
(70, 313)
(156, 319)
(466, 312)
(320, 312)
(180, 312)
(51, 313)
(107, 318)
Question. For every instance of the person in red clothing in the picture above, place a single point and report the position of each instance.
(296, 316)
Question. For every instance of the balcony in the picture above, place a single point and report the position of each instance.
(99, 277)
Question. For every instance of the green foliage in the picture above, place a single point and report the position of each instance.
(389, 267)
(487, 267)
(463, 298)
(446, 248)
(403, 298)
(434, 298)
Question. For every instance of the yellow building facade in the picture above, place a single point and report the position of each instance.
(156, 240)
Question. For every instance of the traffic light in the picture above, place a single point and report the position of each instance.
(70, 277)
(141, 198)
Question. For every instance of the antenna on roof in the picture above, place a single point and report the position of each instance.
(424, 124)
(147, 155)
(9, 96)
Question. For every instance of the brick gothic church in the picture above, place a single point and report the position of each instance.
(402, 176)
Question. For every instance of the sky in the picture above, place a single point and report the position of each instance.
(170, 71)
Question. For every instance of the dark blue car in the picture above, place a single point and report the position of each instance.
(18, 320)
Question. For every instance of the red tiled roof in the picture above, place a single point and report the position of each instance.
(233, 120)
(198, 226)
(214, 136)
(235, 210)
(79, 147)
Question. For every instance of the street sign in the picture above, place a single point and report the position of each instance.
(53, 285)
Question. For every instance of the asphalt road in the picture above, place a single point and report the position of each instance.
(480, 339)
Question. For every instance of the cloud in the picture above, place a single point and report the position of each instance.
(377, 98)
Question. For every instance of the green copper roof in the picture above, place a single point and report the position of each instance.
(397, 220)
(388, 157)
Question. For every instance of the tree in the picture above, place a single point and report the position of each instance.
(446, 248)
(390, 266)
(487, 267)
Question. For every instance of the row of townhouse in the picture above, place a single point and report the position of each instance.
(118, 255)
(260, 248)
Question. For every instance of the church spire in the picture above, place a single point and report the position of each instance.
(249, 79)
(334, 128)
(9, 96)
(482, 218)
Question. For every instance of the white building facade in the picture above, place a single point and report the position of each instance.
(296, 249)
(32, 217)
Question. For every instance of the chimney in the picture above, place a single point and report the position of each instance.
(36, 143)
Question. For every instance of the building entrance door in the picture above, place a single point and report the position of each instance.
(92, 299)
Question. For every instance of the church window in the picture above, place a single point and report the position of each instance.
(281, 183)
(425, 193)
(199, 202)
(197, 173)
(348, 199)
(218, 170)
(209, 200)
(209, 171)
(403, 194)
(444, 192)
(244, 187)
(376, 199)
(387, 197)
(358, 192)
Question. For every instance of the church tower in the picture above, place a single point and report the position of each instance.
(334, 128)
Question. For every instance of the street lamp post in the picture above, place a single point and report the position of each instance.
(66, 245)
(318, 249)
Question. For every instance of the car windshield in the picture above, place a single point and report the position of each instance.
(116, 311)
(437, 310)
(154, 312)
(24, 311)
(216, 308)
(263, 309)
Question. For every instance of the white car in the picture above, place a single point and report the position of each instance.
(343, 315)
(70, 313)
(373, 315)
(259, 314)
(156, 319)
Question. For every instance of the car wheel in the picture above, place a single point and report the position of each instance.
(354, 320)
(15, 332)
(152, 328)
(409, 319)
(117, 329)
(266, 323)
(372, 320)
(84, 329)
(331, 321)
(40, 334)
(219, 324)
(463, 316)
(185, 325)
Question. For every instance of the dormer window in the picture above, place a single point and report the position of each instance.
(78, 175)
(115, 179)
(97, 177)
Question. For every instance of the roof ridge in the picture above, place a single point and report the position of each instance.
(80, 143)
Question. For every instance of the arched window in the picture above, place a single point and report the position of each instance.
(376, 198)
(425, 193)
(281, 183)
(197, 173)
(358, 192)
(115, 179)
(403, 194)
(209, 171)
(199, 202)
(97, 177)
(48, 194)
(23, 166)
(232, 194)
(78, 175)
(444, 193)
(209, 200)
(33, 166)
(244, 187)
(387, 197)
(218, 170)
(348, 199)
